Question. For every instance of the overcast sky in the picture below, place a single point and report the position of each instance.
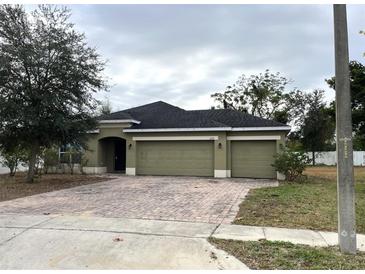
(183, 53)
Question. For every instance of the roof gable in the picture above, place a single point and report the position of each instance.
(163, 115)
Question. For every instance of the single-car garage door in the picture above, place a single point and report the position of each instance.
(189, 158)
(253, 159)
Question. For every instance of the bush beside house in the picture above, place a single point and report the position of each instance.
(291, 164)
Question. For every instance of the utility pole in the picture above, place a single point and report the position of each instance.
(345, 170)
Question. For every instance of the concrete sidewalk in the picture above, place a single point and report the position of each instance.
(76, 242)
(84, 242)
(295, 236)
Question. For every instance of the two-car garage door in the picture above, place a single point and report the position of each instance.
(253, 159)
(189, 158)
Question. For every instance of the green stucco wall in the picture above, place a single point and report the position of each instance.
(97, 155)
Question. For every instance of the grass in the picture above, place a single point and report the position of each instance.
(15, 187)
(311, 205)
(329, 172)
(265, 254)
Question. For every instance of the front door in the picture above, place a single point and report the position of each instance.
(119, 155)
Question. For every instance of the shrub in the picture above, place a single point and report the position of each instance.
(12, 158)
(83, 162)
(72, 156)
(50, 158)
(291, 164)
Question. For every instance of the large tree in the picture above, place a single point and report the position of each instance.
(297, 104)
(105, 107)
(48, 75)
(362, 32)
(318, 128)
(265, 95)
(260, 95)
(357, 85)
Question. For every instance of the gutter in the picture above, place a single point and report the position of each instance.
(281, 128)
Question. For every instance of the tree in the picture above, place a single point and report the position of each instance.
(48, 75)
(50, 158)
(12, 158)
(318, 128)
(72, 156)
(297, 104)
(362, 32)
(357, 86)
(231, 98)
(105, 107)
(260, 95)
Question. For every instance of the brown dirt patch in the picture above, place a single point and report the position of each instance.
(330, 172)
(15, 187)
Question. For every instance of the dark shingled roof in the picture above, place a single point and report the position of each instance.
(234, 118)
(162, 115)
(115, 116)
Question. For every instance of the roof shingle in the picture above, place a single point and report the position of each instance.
(162, 115)
(234, 118)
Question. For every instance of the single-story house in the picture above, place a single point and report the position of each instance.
(162, 139)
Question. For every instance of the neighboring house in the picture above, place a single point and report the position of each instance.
(161, 139)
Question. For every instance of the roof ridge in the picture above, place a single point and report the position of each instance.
(209, 109)
(154, 103)
(182, 110)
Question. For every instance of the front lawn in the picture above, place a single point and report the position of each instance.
(265, 254)
(15, 187)
(311, 205)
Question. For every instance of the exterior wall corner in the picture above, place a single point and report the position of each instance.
(222, 173)
(131, 171)
(280, 176)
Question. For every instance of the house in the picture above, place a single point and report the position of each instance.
(162, 139)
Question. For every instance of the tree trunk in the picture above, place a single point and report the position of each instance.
(32, 162)
(13, 167)
(12, 171)
(314, 158)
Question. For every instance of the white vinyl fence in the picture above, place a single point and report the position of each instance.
(3, 169)
(329, 158)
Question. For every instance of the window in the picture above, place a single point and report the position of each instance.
(70, 154)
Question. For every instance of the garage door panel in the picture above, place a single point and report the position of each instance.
(194, 158)
(258, 166)
(253, 159)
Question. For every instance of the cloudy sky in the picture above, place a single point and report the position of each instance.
(183, 53)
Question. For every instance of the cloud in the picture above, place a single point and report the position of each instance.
(183, 53)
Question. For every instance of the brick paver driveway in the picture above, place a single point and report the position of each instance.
(145, 197)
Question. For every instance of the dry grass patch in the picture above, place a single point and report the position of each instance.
(311, 205)
(15, 187)
(330, 172)
(286, 256)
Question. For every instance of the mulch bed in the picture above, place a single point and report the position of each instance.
(15, 187)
